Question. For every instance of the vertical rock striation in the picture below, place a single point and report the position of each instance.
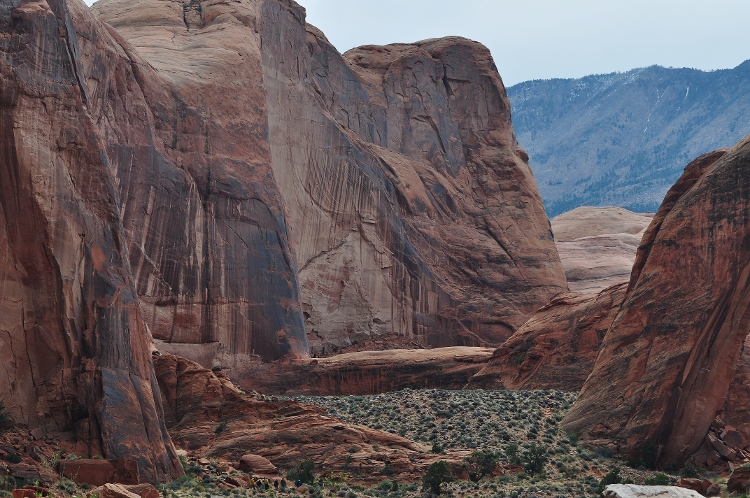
(666, 364)
(381, 192)
(74, 346)
(213, 174)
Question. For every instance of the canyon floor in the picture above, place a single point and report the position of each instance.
(478, 420)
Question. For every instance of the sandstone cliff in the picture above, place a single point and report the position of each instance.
(214, 173)
(73, 342)
(556, 348)
(597, 245)
(377, 193)
(666, 364)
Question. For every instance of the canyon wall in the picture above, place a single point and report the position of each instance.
(74, 345)
(377, 193)
(215, 176)
(666, 364)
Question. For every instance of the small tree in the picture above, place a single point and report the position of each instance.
(304, 473)
(512, 453)
(437, 474)
(480, 464)
(534, 459)
(611, 477)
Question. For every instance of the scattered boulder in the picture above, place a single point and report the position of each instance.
(703, 486)
(112, 490)
(256, 464)
(739, 480)
(636, 491)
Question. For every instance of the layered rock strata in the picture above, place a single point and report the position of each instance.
(597, 245)
(198, 401)
(556, 348)
(369, 372)
(666, 364)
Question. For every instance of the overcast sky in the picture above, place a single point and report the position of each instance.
(532, 39)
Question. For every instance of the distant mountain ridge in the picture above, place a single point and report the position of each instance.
(622, 139)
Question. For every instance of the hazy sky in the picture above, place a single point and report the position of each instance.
(532, 39)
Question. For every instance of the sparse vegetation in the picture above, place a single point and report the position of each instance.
(437, 475)
(304, 473)
(480, 464)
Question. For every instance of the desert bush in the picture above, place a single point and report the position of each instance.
(304, 473)
(534, 458)
(611, 477)
(437, 474)
(7, 483)
(480, 464)
(659, 479)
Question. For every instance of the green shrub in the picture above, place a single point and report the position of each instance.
(611, 477)
(648, 455)
(480, 464)
(690, 472)
(659, 479)
(512, 453)
(220, 428)
(304, 473)
(534, 458)
(437, 474)
(7, 483)
(437, 448)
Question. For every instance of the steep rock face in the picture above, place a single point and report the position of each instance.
(667, 362)
(385, 185)
(215, 173)
(73, 343)
(556, 348)
(415, 221)
(204, 219)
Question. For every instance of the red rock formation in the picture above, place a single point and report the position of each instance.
(667, 362)
(216, 174)
(556, 347)
(197, 400)
(407, 203)
(369, 372)
(73, 344)
(597, 245)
